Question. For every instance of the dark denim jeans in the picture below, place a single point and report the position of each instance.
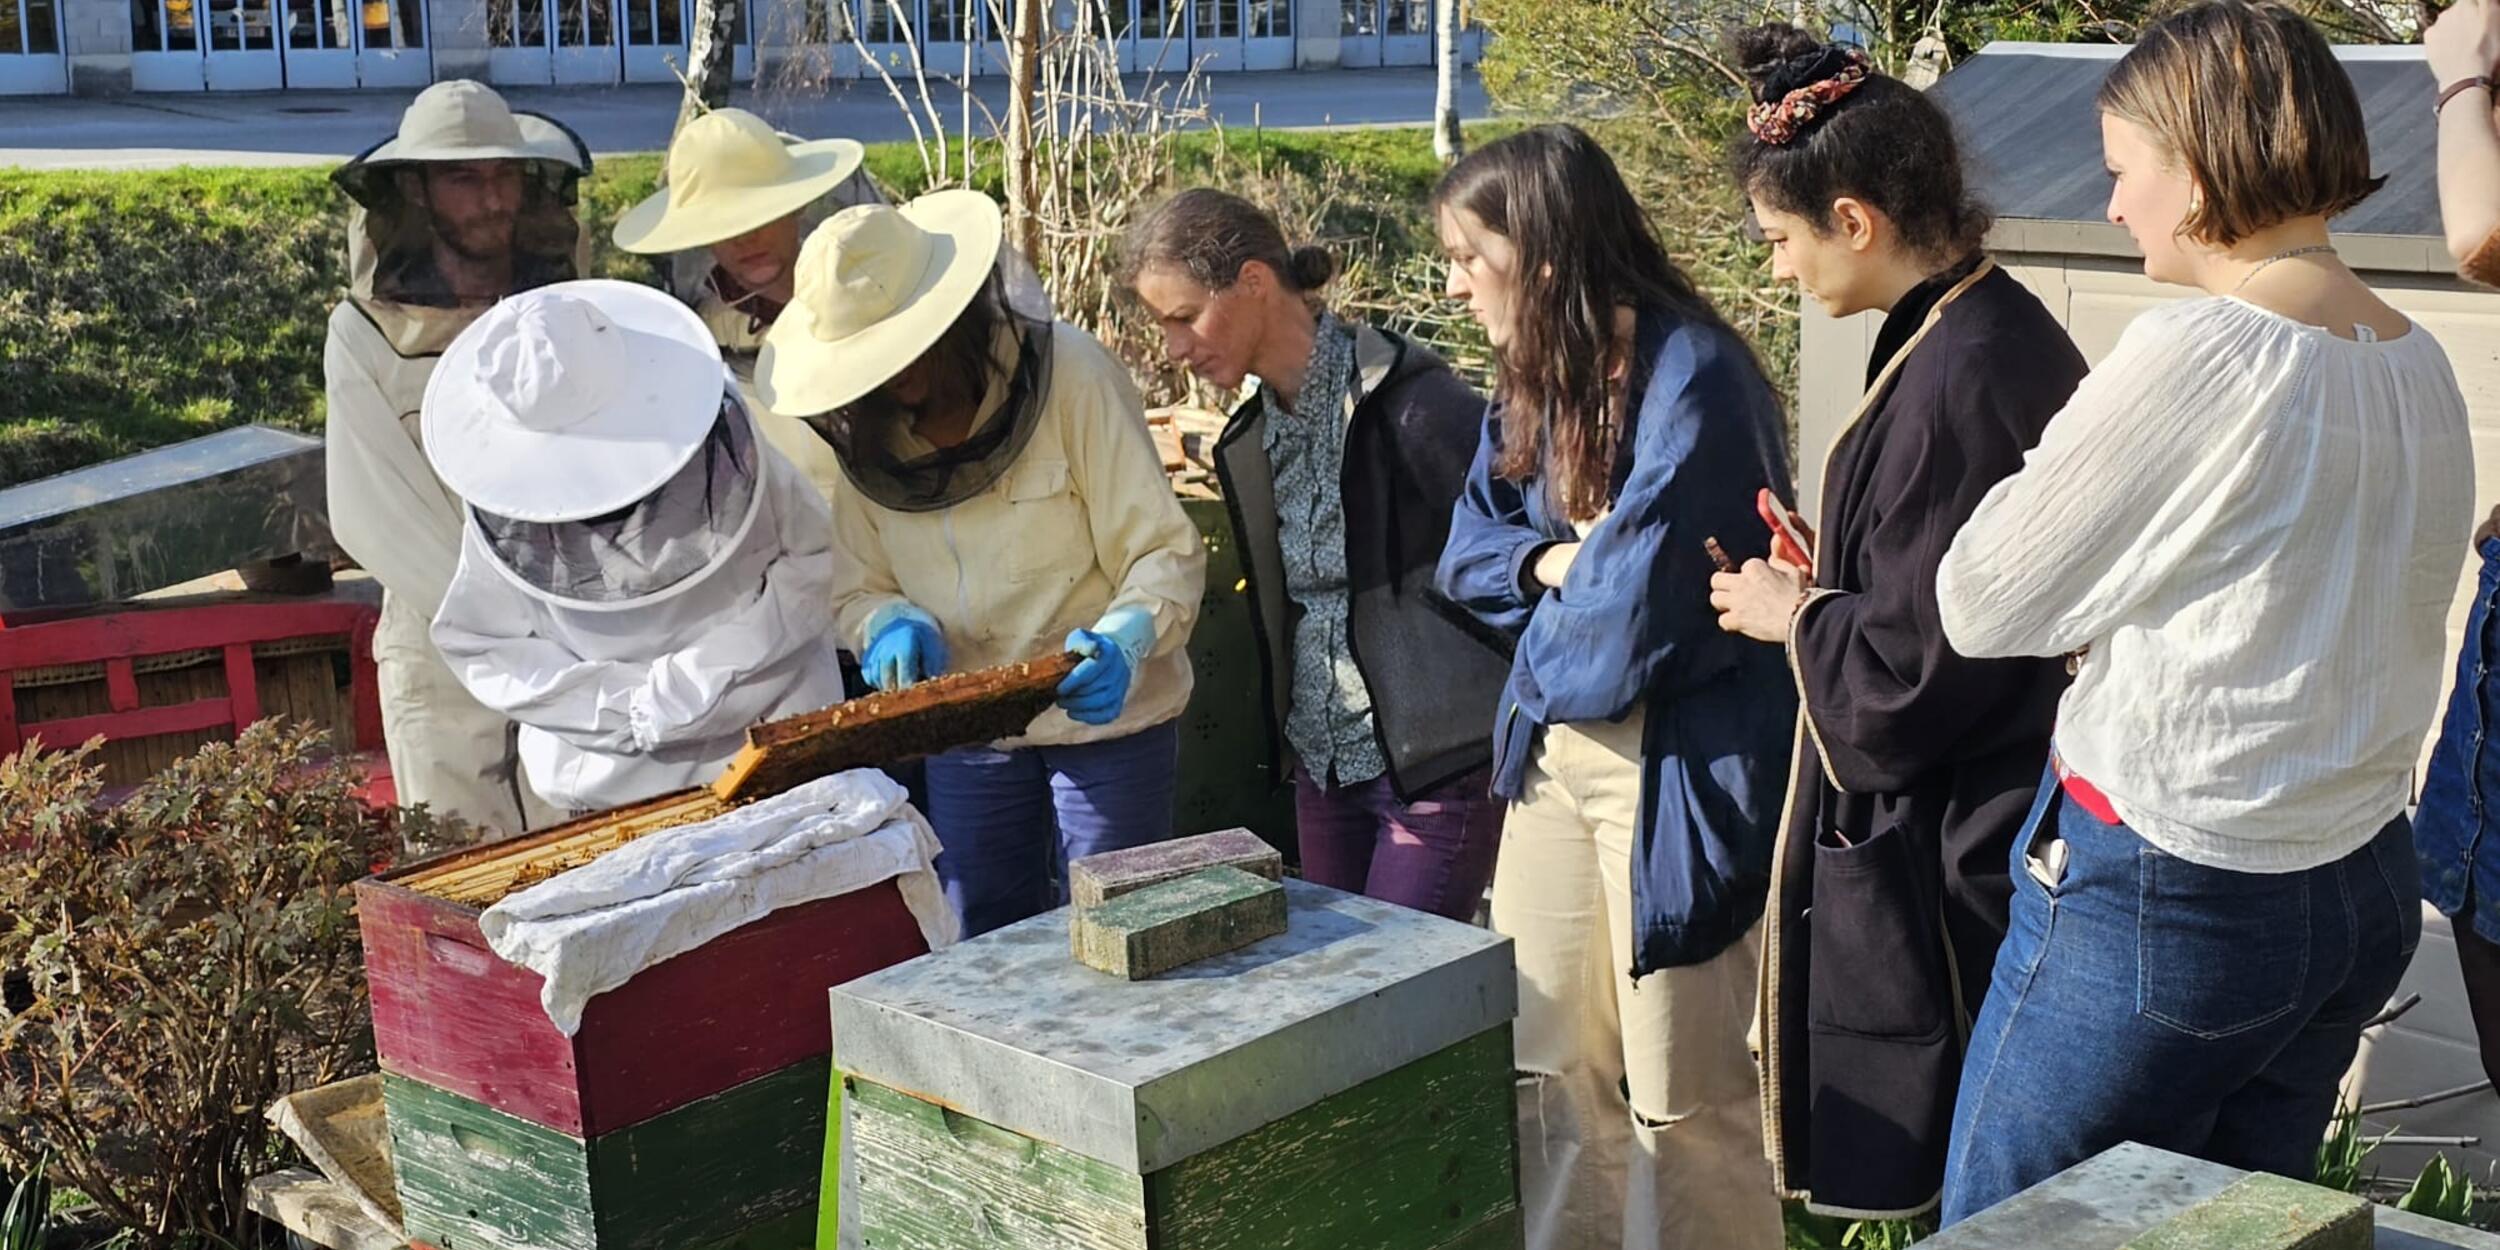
(1009, 821)
(2463, 784)
(1434, 854)
(2140, 997)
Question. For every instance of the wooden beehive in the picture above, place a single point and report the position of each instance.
(1346, 1083)
(689, 1108)
(450, 1012)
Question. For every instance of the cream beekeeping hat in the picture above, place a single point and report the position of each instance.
(729, 173)
(876, 288)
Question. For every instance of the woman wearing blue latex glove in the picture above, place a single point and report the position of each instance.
(1000, 499)
(906, 648)
(1097, 691)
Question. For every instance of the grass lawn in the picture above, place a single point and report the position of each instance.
(144, 308)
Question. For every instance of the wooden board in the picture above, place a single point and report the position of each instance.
(1097, 879)
(1422, 1158)
(1414, 1160)
(737, 1169)
(927, 1178)
(1148, 932)
(306, 1204)
(449, 1012)
(341, 1129)
(958, 709)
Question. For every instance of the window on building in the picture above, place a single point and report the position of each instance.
(1359, 17)
(394, 23)
(1219, 19)
(1271, 19)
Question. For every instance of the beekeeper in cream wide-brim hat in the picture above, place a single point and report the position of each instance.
(876, 288)
(728, 173)
(572, 400)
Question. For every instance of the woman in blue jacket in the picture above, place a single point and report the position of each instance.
(1644, 752)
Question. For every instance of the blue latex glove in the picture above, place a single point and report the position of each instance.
(1097, 692)
(905, 648)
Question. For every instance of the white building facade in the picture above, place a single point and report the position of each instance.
(96, 47)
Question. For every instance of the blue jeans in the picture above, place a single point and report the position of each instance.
(1009, 821)
(2140, 997)
(2461, 791)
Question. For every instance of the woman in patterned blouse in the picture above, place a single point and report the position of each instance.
(1340, 468)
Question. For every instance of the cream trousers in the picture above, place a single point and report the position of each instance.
(1639, 1123)
(448, 751)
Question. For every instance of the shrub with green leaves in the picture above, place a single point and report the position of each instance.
(193, 954)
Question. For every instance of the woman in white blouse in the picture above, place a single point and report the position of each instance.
(2247, 525)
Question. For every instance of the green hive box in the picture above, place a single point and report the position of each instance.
(735, 1171)
(1345, 1084)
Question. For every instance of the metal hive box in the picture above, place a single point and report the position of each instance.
(1347, 1083)
(114, 530)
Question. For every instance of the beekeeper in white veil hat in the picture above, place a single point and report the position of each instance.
(468, 202)
(725, 229)
(641, 576)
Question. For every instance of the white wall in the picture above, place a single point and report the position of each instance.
(2432, 1047)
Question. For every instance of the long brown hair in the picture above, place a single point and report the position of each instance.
(1585, 248)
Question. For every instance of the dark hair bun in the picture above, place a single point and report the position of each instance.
(1312, 267)
(1779, 58)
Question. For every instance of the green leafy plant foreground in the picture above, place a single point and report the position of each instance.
(191, 953)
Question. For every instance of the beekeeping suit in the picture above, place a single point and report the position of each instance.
(388, 510)
(641, 577)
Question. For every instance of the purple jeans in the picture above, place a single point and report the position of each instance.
(1434, 854)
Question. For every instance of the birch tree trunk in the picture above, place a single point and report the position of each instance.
(1448, 142)
(1024, 191)
(711, 59)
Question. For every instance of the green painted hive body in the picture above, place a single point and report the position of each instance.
(1345, 1084)
(736, 1171)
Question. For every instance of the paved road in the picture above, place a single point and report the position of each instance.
(316, 127)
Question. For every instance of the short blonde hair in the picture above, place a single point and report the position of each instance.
(2249, 98)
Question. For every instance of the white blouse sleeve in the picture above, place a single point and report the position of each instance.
(2153, 450)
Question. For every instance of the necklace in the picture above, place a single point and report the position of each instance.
(2314, 249)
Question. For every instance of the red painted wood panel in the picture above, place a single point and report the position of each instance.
(87, 640)
(449, 1012)
(242, 683)
(121, 684)
(172, 718)
(116, 638)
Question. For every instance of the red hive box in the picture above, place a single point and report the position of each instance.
(449, 1012)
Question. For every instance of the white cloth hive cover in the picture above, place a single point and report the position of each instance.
(592, 929)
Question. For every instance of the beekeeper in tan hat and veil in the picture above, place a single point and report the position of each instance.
(724, 232)
(468, 203)
(1000, 500)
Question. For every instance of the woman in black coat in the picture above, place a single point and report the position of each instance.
(1890, 887)
(1340, 469)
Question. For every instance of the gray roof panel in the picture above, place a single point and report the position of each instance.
(2032, 138)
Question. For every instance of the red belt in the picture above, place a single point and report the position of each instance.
(2086, 795)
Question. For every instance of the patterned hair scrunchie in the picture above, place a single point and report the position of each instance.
(1776, 123)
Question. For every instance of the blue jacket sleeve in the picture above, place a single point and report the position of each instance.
(1638, 594)
(1484, 566)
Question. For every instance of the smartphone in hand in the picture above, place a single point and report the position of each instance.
(1792, 540)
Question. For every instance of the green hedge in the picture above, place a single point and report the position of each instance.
(143, 308)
